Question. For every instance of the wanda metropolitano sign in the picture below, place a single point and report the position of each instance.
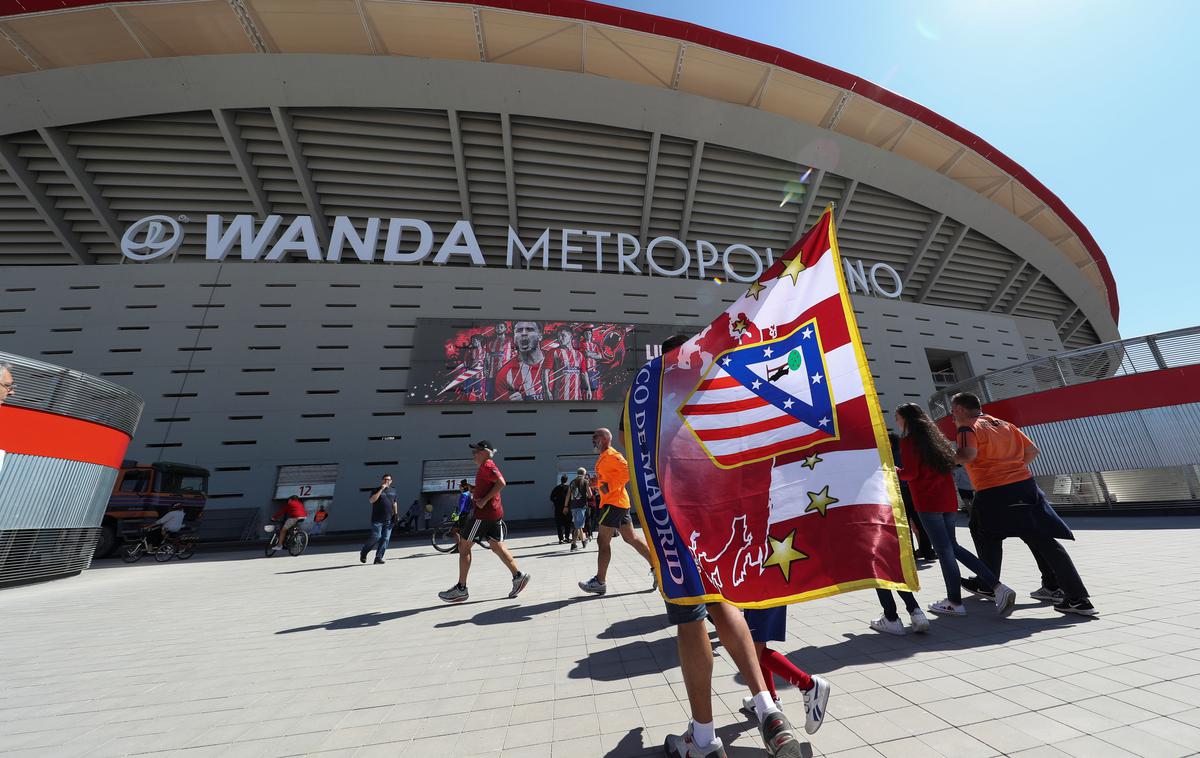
(412, 240)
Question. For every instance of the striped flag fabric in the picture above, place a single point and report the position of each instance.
(759, 456)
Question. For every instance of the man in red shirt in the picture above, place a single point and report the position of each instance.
(292, 512)
(486, 521)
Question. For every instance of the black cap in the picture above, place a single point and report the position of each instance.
(483, 445)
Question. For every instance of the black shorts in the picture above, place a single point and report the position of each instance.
(610, 515)
(473, 529)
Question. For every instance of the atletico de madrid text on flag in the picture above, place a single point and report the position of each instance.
(758, 454)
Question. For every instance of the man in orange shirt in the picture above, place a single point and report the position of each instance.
(1008, 501)
(612, 471)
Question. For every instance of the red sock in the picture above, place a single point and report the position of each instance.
(768, 677)
(775, 663)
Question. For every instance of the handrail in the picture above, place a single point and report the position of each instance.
(1137, 355)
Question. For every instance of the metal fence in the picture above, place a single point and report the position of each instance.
(1090, 364)
(66, 392)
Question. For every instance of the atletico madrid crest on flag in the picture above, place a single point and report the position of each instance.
(759, 457)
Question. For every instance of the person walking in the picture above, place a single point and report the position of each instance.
(562, 518)
(923, 550)
(613, 473)
(486, 521)
(579, 498)
(383, 513)
(428, 514)
(928, 463)
(1009, 503)
(890, 623)
(770, 625)
(319, 518)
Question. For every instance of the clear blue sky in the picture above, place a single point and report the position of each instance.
(1100, 100)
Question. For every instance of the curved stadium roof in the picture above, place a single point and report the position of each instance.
(562, 35)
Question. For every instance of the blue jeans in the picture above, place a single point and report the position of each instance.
(940, 528)
(381, 534)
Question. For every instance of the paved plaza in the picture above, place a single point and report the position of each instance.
(234, 654)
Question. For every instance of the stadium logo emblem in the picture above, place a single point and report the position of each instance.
(152, 237)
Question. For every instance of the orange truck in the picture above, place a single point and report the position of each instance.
(144, 492)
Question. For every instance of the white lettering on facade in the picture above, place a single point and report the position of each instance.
(299, 237)
(241, 230)
(344, 232)
(682, 248)
(396, 227)
(734, 275)
(460, 241)
(542, 243)
(249, 241)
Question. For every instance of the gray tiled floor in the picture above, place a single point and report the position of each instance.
(237, 655)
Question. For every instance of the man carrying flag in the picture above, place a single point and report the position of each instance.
(759, 455)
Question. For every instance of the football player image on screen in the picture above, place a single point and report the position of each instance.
(525, 377)
(569, 379)
(499, 352)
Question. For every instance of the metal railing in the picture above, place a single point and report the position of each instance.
(1138, 355)
(43, 386)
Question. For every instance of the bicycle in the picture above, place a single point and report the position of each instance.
(297, 539)
(181, 546)
(445, 536)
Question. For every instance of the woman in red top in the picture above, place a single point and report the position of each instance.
(927, 464)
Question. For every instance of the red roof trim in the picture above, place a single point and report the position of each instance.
(583, 10)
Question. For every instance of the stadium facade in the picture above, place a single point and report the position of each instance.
(337, 183)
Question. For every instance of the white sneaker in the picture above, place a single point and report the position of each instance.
(919, 622)
(748, 705)
(815, 701)
(1006, 599)
(594, 586)
(882, 624)
(947, 608)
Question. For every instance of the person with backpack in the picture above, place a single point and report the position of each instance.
(562, 518)
(578, 501)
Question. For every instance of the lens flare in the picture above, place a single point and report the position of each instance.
(717, 280)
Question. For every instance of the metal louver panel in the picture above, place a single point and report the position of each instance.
(381, 162)
(52, 493)
(53, 179)
(24, 236)
(1045, 300)
(976, 270)
(483, 154)
(1119, 441)
(670, 187)
(322, 473)
(578, 176)
(882, 227)
(270, 160)
(174, 164)
(28, 555)
(738, 199)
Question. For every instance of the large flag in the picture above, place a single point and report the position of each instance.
(759, 458)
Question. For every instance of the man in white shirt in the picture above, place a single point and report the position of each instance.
(170, 523)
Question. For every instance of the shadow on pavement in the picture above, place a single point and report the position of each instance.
(636, 627)
(364, 620)
(872, 647)
(319, 568)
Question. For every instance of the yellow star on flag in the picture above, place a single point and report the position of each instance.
(755, 288)
(810, 462)
(783, 554)
(820, 501)
(793, 269)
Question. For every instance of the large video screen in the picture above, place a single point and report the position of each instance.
(527, 361)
